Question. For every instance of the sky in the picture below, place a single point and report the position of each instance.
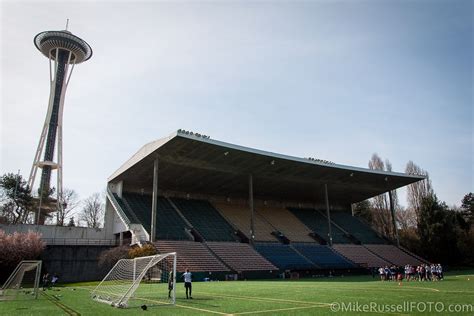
(335, 80)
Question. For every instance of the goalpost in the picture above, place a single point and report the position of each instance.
(140, 281)
(23, 282)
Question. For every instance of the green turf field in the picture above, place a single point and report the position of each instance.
(304, 297)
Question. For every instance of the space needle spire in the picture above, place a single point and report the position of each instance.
(63, 50)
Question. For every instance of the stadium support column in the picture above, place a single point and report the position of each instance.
(394, 223)
(252, 226)
(328, 215)
(154, 203)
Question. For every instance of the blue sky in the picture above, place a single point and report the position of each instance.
(337, 80)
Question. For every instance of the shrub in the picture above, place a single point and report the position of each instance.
(146, 250)
(110, 256)
(19, 246)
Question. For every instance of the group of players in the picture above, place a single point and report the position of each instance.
(423, 272)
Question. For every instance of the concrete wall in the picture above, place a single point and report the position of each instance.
(112, 220)
(60, 234)
(74, 263)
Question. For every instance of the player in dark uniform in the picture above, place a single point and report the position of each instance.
(170, 283)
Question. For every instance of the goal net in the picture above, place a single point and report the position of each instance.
(23, 283)
(141, 281)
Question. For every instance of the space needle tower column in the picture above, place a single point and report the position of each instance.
(64, 50)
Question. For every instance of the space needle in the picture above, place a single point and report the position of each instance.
(63, 50)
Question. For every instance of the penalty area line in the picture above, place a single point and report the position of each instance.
(190, 307)
(265, 299)
(278, 310)
(203, 310)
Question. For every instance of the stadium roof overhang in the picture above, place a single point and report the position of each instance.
(195, 164)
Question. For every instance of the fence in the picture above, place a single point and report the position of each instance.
(79, 242)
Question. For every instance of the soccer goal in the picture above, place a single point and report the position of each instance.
(23, 283)
(141, 281)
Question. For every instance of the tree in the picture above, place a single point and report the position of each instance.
(70, 201)
(16, 202)
(396, 204)
(437, 230)
(467, 206)
(71, 222)
(418, 191)
(406, 218)
(363, 210)
(465, 246)
(93, 210)
(381, 217)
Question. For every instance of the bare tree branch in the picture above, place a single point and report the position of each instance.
(381, 217)
(93, 210)
(71, 202)
(419, 190)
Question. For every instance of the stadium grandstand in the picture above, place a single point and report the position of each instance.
(228, 209)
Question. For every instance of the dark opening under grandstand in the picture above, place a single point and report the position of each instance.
(229, 209)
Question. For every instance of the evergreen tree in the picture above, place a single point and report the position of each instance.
(467, 206)
(437, 230)
(16, 200)
(71, 222)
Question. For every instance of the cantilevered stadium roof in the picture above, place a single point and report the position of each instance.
(196, 164)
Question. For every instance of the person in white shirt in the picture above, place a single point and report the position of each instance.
(187, 283)
(382, 273)
(54, 280)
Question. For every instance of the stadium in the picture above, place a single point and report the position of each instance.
(194, 225)
(262, 233)
(227, 209)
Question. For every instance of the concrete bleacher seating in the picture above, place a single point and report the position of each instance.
(205, 219)
(191, 255)
(393, 254)
(239, 216)
(315, 221)
(127, 210)
(169, 224)
(355, 227)
(216, 227)
(324, 256)
(286, 223)
(360, 255)
(240, 256)
(283, 256)
(414, 255)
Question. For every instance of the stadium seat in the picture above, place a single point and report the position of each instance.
(394, 255)
(355, 227)
(286, 223)
(283, 256)
(127, 210)
(191, 255)
(315, 221)
(239, 216)
(360, 255)
(206, 220)
(240, 257)
(169, 224)
(324, 256)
